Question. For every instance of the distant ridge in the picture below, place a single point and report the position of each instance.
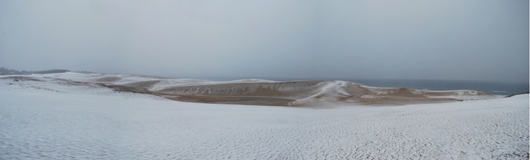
(6, 71)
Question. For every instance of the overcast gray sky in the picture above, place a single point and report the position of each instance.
(376, 39)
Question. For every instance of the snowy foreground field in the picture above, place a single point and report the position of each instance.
(44, 120)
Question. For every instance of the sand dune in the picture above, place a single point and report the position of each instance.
(296, 93)
(313, 93)
(265, 92)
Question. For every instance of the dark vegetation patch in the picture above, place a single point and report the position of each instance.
(22, 78)
(108, 79)
(248, 100)
(511, 95)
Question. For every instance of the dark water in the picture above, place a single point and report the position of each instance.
(489, 87)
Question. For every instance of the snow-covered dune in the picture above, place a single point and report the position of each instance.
(67, 116)
(264, 92)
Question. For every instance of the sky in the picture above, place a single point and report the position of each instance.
(484, 40)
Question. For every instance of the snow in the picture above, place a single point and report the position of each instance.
(166, 83)
(54, 120)
(333, 89)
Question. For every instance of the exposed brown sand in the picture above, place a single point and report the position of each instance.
(142, 85)
(293, 90)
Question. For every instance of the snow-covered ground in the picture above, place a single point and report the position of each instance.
(45, 120)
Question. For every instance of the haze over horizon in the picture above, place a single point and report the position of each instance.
(412, 39)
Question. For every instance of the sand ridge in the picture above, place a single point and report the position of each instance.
(293, 93)
(272, 93)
